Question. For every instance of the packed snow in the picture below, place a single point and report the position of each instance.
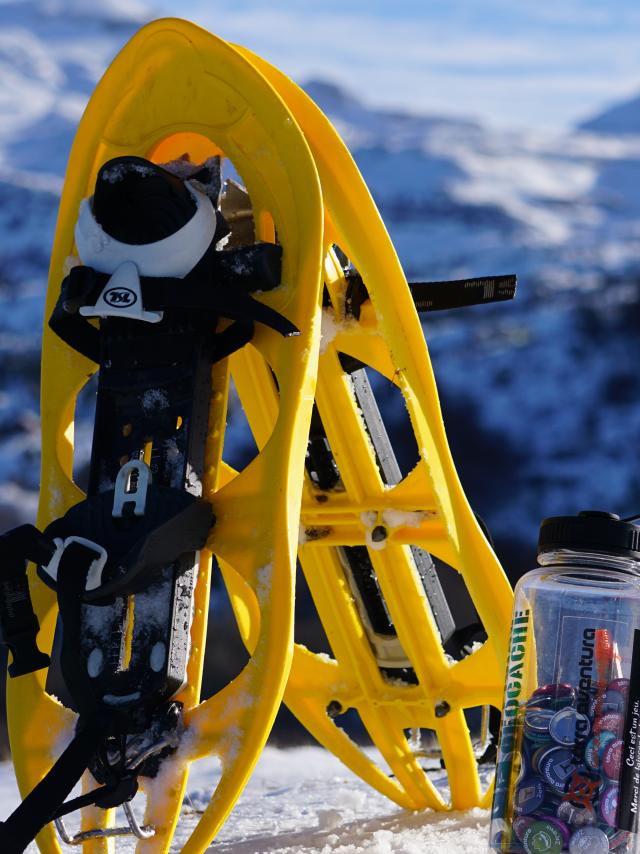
(304, 801)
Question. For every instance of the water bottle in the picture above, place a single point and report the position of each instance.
(568, 766)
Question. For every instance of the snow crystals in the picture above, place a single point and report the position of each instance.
(303, 801)
(154, 398)
(403, 518)
(117, 171)
(263, 576)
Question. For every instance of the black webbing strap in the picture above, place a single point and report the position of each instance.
(74, 330)
(105, 797)
(44, 803)
(233, 338)
(19, 625)
(438, 296)
(457, 293)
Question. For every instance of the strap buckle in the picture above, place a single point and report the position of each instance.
(94, 576)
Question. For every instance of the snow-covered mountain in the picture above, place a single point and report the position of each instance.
(620, 119)
(540, 396)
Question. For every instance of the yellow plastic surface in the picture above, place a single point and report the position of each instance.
(389, 338)
(176, 88)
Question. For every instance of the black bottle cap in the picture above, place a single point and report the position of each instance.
(590, 530)
(137, 201)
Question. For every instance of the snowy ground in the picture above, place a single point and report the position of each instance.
(303, 801)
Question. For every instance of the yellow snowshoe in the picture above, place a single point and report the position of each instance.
(369, 531)
(126, 567)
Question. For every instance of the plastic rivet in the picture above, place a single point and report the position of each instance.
(379, 534)
(334, 709)
(442, 708)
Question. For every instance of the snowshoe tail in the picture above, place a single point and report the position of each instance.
(372, 534)
(174, 90)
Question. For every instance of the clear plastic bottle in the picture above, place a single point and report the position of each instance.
(568, 772)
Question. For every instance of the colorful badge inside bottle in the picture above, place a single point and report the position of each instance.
(568, 773)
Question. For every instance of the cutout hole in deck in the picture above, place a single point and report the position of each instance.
(308, 630)
(351, 722)
(484, 726)
(468, 633)
(239, 447)
(84, 417)
(225, 653)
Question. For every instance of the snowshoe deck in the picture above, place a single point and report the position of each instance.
(176, 89)
(368, 533)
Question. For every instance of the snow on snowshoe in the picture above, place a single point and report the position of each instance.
(420, 660)
(144, 290)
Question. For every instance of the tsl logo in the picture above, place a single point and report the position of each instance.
(120, 297)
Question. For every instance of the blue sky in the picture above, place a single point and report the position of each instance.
(540, 64)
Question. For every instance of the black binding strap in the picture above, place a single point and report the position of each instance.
(18, 623)
(437, 296)
(44, 802)
(221, 284)
(105, 797)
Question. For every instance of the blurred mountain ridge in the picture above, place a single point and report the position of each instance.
(621, 118)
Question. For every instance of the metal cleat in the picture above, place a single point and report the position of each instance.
(133, 829)
(131, 488)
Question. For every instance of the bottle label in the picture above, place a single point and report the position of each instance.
(630, 762)
(511, 729)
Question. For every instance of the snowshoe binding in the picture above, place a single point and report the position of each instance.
(155, 301)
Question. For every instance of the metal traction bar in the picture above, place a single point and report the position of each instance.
(133, 829)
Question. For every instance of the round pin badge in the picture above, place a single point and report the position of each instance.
(537, 720)
(538, 739)
(568, 726)
(589, 840)
(608, 805)
(549, 807)
(612, 759)
(621, 685)
(610, 722)
(528, 796)
(576, 813)
(613, 701)
(542, 837)
(500, 841)
(594, 748)
(556, 767)
(554, 702)
(538, 753)
(565, 831)
(555, 689)
(520, 824)
(617, 838)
